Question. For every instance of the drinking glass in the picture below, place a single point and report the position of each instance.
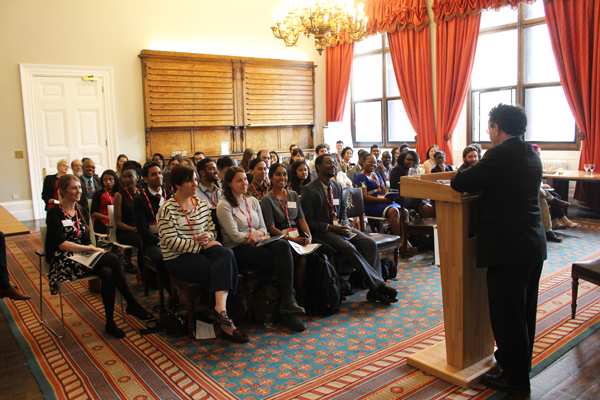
(592, 168)
(586, 167)
(414, 172)
(561, 171)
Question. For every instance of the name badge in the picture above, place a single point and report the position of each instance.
(240, 217)
(293, 232)
(182, 221)
(67, 222)
(336, 222)
(153, 227)
(291, 204)
(381, 196)
(336, 202)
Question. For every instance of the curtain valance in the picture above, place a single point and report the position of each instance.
(395, 15)
(449, 9)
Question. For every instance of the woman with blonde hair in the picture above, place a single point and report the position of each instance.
(50, 187)
(67, 234)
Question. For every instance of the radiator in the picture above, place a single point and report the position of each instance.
(554, 164)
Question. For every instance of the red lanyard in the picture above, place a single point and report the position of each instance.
(150, 205)
(89, 187)
(212, 201)
(185, 214)
(258, 194)
(249, 216)
(285, 210)
(386, 173)
(331, 202)
(374, 180)
(136, 192)
(76, 220)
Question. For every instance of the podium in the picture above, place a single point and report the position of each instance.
(467, 352)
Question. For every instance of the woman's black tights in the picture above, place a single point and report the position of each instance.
(109, 270)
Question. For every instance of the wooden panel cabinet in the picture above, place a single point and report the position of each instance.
(193, 102)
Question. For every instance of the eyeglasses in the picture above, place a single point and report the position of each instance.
(409, 159)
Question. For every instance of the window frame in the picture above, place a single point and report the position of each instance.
(384, 101)
(520, 86)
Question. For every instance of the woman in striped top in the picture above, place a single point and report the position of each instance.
(191, 253)
(242, 226)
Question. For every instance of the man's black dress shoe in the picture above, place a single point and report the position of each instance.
(498, 383)
(551, 237)
(376, 295)
(388, 291)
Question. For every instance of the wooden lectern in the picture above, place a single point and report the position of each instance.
(467, 352)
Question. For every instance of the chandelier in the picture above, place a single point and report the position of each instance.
(329, 25)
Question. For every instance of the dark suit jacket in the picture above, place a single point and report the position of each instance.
(84, 190)
(144, 216)
(510, 220)
(317, 210)
(48, 188)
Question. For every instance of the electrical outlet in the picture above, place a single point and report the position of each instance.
(15, 197)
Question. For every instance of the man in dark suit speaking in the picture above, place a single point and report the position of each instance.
(325, 212)
(511, 242)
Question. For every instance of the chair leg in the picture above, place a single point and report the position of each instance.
(161, 294)
(396, 254)
(249, 294)
(575, 288)
(191, 319)
(145, 279)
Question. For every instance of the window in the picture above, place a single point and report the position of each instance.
(514, 64)
(378, 115)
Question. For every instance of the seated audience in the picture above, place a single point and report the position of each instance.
(385, 168)
(297, 155)
(145, 209)
(298, 176)
(346, 165)
(103, 198)
(375, 152)
(50, 187)
(188, 163)
(246, 158)
(166, 175)
(120, 160)
(351, 173)
(259, 185)
(320, 149)
(395, 154)
(265, 156)
(545, 197)
(404, 148)
(274, 157)
(242, 226)
(198, 156)
(429, 164)
(470, 157)
(286, 163)
(124, 219)
(440, 163)
(191, 253)
(374, 191)
(207, 189)
(89, 183)
(479, 150)
(6, 289)
(159, 159)
(77, 168)
(339, 147)
(223, 163)
(67, 234)
(406, 161)
(325, 213)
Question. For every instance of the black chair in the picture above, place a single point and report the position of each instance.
(586, 270)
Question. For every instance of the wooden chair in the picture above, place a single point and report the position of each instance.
(418, 226)
(586, 270)
(355, 208)
(62, 287)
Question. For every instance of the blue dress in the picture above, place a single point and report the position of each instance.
(374, 188)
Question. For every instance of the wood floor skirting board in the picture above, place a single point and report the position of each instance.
(21, 210)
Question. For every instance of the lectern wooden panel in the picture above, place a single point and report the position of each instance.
(467, 352)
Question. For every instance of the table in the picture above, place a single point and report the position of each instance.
(560, 183)
(11, 226)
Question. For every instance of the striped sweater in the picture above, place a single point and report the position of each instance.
(174, 232)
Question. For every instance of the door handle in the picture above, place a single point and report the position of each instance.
(44, 173)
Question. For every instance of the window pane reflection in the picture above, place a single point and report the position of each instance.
(539, 65)
(367, 120)
(390, 83)
(367, 79)
(535, 10)
(549, 118)
(482, 103)
(496, 60)
(399, 127)
(368, 44)
(505, 16)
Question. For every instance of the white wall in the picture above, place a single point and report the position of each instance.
(111, 33)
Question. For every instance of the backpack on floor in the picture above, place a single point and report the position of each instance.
(389, 269)
(322, 290)
(265, 304)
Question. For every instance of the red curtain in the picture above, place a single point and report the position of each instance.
(391, 15)
(574, 28)
(449, 9)
(411, 57)
(338, 66)
(456, 42)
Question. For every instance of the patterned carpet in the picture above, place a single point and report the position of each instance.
(358, 353)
